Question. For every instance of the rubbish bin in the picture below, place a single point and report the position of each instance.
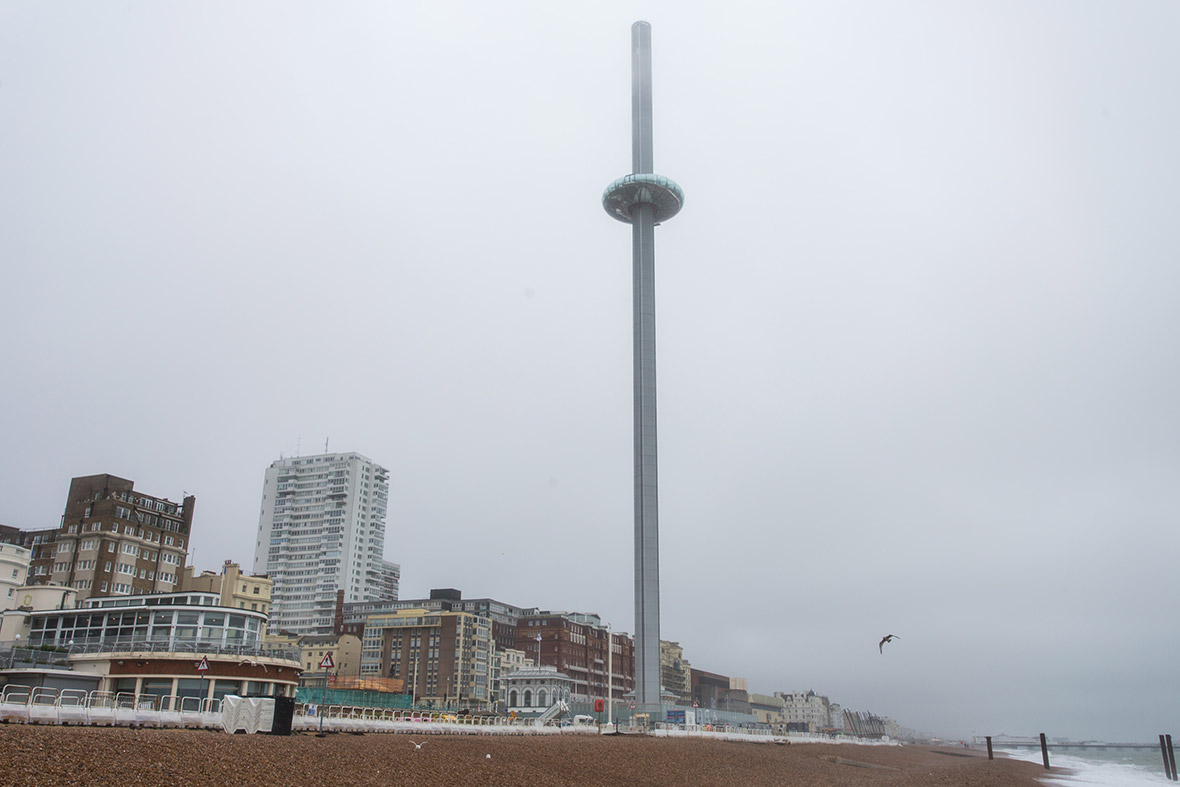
(284, 715)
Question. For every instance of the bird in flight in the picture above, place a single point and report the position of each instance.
(418, 746)
(886, 638)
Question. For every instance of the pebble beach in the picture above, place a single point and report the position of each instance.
(34, 755)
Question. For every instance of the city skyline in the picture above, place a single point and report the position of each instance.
(317, 476)
(915, 341)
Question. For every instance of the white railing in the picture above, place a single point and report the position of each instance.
(554, 711)
(41, 705)
(345, 718)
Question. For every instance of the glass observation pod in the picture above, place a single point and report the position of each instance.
(662, 193)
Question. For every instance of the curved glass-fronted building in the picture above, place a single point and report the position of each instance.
(170, 644)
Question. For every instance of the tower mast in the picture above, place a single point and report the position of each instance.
(643, 200)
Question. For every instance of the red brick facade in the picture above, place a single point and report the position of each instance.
(579, 651)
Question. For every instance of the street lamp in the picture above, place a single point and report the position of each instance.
(610, 674)
(414, 687)
(12, 655)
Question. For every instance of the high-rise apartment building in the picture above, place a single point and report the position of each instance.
(391, 579)
(321, 529)
(113, 540)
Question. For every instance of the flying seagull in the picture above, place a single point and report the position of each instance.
(418, 746)
(886, 638)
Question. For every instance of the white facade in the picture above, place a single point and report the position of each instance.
(806, 708)
(391, 579)
(14, 569)
(533, 689)
(505, 661)
(321, 528)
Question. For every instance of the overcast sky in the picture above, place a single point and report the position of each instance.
(917, 322)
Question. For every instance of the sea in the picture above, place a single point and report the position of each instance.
(1105, 767)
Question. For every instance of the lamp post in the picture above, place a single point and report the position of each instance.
(610, 674)
(414, 687)
(12, 656)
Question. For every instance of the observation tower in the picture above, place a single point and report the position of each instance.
(644, 200)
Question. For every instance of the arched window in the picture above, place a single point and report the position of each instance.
(512, 697)
(541, 699)
(528, 698)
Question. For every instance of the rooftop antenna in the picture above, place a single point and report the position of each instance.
(326, 445)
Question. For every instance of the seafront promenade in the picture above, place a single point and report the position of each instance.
(43, 755)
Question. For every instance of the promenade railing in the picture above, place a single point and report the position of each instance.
(43, 705)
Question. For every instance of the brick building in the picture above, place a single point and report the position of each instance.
(351, 616)
(575, 644)
(112, 540)
(443, 657)
(720, 692)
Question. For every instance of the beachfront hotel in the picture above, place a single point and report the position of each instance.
(322, 529)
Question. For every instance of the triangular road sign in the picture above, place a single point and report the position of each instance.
(204, 665)
(326, 661)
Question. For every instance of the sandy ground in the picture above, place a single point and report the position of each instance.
(31, 755)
